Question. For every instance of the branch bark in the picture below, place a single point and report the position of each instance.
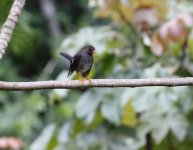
(9, 25)
(74, 84)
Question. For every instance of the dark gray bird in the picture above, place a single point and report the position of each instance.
(82, 62)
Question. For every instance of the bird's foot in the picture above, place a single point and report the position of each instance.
(80, 78)
(81, 81)
(88, 79)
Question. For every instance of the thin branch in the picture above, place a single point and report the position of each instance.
(74, 84)
(9, 25)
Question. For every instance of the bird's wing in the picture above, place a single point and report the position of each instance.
(74, 64)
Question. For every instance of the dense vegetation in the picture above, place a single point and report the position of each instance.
(133, 39)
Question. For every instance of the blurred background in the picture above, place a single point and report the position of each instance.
(133, 39)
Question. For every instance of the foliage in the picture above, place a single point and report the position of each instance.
(4, 10)
(99, 118)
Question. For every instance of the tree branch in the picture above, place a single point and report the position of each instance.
(74, 84)
(9, 25)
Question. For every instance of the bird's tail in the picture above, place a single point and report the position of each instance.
(66, 56)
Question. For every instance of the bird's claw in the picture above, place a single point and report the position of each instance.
(88, 79)
(80, 78)
(81, 81)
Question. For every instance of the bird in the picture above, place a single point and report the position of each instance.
(81, 62)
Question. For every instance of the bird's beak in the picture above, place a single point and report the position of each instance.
(93, 52)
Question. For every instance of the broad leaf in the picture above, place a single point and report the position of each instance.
(42, 142)
(111, 111)
(129, 115)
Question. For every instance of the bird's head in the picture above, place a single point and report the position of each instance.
(90, 49)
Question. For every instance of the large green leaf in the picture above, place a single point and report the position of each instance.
(100, 37)
(111, 110)
(129, 116)
(45, 139)
(88, 104)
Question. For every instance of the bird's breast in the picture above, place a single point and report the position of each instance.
(85, 64)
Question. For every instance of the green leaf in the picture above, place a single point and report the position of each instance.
(190, 45)
(45, 139)
(26, 39)
(178, 125)
(97, 36)
(129, 115)
(111, 111)
(87, 105)
(78, 126)
(61, 77)
(64, 132)
(5, 6)
(109, 62)
(159, 123)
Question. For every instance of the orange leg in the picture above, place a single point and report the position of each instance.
(89, 80)
(80, 78)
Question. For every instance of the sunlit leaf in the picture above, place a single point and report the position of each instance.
(129, 115)
(61, 77)
(111, 110)
(64, 132)
(87, 105)
(179, 126)
(44, 139)
(99, 37)
(78, 126)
